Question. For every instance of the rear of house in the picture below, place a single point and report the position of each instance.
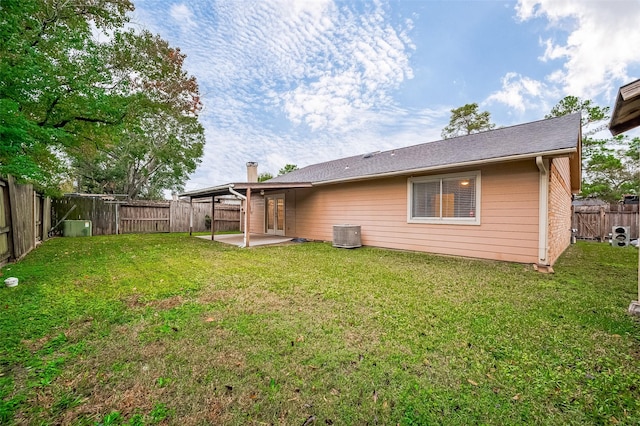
(503, 195)
(504, 226)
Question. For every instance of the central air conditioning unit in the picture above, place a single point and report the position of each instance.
(620, 236)
(346, 236)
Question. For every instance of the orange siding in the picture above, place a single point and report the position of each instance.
(257, 213)
(559, 236)
(509, 216)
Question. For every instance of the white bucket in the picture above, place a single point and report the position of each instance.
(11, 282)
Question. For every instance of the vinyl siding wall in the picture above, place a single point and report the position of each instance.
(509, 215)
(559, 208)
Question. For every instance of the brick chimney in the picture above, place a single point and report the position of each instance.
(252, 171)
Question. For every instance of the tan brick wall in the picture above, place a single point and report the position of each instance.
(559, 236)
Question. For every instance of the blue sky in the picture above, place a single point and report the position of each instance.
(300, 82)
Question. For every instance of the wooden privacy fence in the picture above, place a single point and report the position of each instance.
(25, 218)
(127, 217)
(596, 222)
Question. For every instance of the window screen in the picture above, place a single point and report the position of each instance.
(442, 198)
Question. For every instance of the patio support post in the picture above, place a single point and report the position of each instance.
(213, 216)
(247, 218)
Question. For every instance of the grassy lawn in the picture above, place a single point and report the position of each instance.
(168, 329)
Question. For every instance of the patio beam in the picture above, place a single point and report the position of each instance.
(247, 219)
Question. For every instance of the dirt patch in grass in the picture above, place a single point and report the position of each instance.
(213, 410)
(34, 345)
(102, 400)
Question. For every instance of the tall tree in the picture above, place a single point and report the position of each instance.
(467, 120)
(264, 176)
(288, 168)
(160, 141)
(591, 113)
(50, 83)
(67, 99)
(610, 165)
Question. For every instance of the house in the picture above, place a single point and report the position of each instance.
(503, 194)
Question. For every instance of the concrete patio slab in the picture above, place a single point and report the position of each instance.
(254, 239)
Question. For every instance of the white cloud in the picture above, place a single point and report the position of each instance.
(183, 15)
(288, 81)
(601, 45)
(520, 92)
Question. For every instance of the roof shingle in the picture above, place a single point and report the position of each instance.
(544, 136)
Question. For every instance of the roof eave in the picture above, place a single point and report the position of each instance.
(626, 111)
(547, 154)
(242, 186)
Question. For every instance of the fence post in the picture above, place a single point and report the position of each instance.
(117, 217)
(601, 225)
(172, 210)
(190, 216)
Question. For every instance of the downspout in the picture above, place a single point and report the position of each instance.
(246, 216)
(543, 211)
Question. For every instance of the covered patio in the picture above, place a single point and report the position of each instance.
(239, 241)
(243, 191)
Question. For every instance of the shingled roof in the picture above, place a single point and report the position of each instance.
(550, 137)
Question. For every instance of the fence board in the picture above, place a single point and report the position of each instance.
(22, 217)
(227, 217)
(147, 218)
(46, 218)
(100, 212)
(37, 217)
(5, 224)
(143, 216)
(180, 214)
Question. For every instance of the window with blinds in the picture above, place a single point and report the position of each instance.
(445, 199)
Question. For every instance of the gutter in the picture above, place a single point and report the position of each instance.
(237, 194)
(246, 213)
(543, 211)
(548, 154)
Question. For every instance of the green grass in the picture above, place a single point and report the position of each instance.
(167, 329)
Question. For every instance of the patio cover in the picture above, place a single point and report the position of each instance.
(241, 190)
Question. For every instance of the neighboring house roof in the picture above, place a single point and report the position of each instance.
(589, 202)
(551, 137)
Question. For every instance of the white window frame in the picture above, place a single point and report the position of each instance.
(444, 220)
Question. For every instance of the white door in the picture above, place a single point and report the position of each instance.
(275, 214)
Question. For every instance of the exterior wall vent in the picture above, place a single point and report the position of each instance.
(346, 236)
